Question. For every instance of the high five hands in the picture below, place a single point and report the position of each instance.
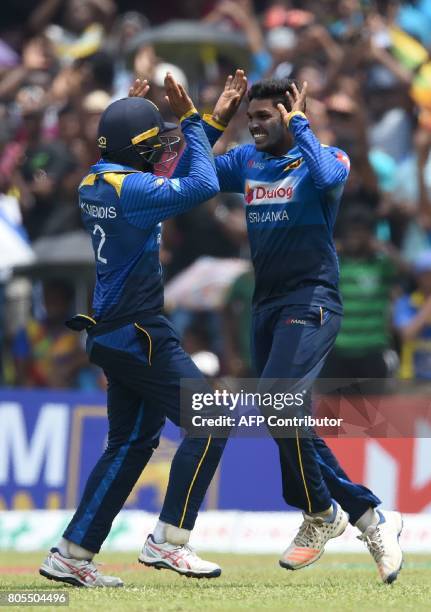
(231, 97)
(176, 95)
(179, 100)
(297, 102)
(225, 108)
(139, 88)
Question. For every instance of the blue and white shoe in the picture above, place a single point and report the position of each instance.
(382, 542)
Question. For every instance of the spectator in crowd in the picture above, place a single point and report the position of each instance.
(82, 28)
(14, 248)
(37, 68)
(412, 320)
(367, 275)
(47, 168)
(241, 16)
(237, 325)
(126, 28)
(46, 353)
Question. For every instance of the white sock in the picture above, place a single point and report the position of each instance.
(177, 535)
(63, 548)
(370, 517)
(70, 550)
(328, 514)
(159, 532)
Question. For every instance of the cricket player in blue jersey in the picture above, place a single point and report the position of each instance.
(292, 187)
(123, 204)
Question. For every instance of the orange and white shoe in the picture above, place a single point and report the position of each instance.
(179, 558)
(382, 542)
(309, 543)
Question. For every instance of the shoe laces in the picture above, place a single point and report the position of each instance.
(373, 539)
(185, 548)
(188, 550)
(309, 531)
(92, 566)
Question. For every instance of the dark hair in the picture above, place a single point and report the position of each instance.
(101, 64)
(274, 89)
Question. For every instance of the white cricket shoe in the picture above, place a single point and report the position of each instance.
(77, 572)
(382, 542)
(181, 559)
(309, 543)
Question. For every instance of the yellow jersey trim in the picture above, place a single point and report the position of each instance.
(86, 317)
(145, 135)
(188, 114)
(302, 471)
(88, 180)
(213, 123)
(150, 350)
(193, 482)
(115, 179)
(295, 114)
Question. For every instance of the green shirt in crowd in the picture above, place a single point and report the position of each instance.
(365, 286)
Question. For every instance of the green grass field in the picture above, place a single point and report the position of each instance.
(249, 582)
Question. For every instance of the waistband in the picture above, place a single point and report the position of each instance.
(81, 322)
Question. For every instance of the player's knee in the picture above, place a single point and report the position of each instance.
(139, 444)
(210, 448)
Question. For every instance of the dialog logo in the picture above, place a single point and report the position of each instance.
(269, 193)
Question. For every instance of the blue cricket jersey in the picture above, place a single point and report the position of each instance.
(291, 203)
(122, 210)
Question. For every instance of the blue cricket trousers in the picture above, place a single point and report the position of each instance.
(144, 363)
(292, 342)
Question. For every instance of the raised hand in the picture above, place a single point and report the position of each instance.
(139, 88)
(179, 100)
(230, 99)
(297, 102)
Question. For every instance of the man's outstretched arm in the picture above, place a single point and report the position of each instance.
(215, 123)
(327, 168)
(148, 199)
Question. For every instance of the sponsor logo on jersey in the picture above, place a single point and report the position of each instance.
(293, 165)
(252, 163)
(268, 193)
(293, 321)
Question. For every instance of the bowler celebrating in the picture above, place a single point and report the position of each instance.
(292, 187)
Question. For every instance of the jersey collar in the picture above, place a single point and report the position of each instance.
(291, 154)
(104, 166)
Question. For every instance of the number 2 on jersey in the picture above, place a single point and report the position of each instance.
(99, 230)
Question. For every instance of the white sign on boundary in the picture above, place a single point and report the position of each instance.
(216, 531)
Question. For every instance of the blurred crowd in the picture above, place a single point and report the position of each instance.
(368, 66)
